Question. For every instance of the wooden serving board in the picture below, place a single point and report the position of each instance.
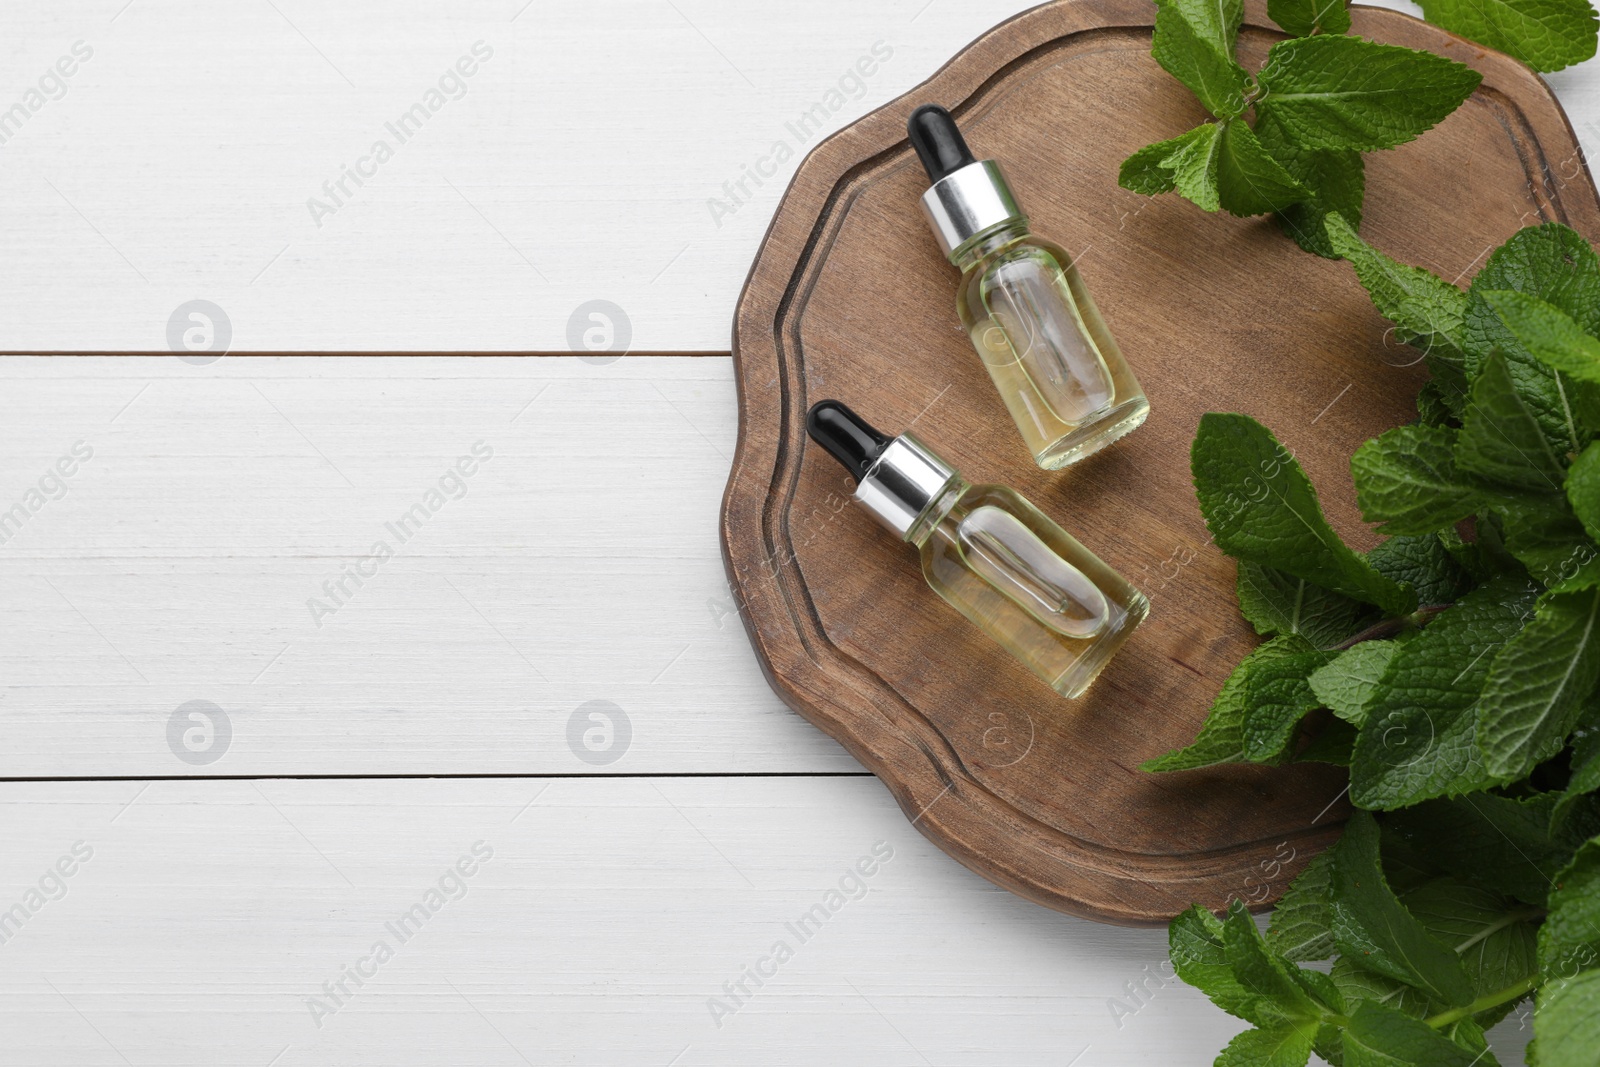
(850, 298)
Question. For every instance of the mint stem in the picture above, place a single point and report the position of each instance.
(1390, 627)
(1483, 1003)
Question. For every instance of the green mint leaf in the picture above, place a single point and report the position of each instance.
(1282, 997)
(1541, 532)
(1585, 777)
(1499, 843)
(1221, 739)
(1380, 1036)
(1501, 441)
(1493, 935)
(1407, 480)
(1194, 942)
(1277, 697)
(1194, 42)
(1279, 603)
(1302, 18)
(1551, 335)
(1468, 1033)
(1583, 572)
(1540, 684)
(1302, 922)
(1288, 1045)
(1261, 508)
(1143, 172)
(1335, 177)
(1373, 928)
(1545, 34)
(1552, 262)
(1345, 92)
(1566, 1022)
(1347, 685)
(1195, 165)
(1583, 489)
(1249, 180)
(1434, 406)
(1358, 985)
(1556, 265)
(1425, 565)
(1419, 739)
(1569, 940)
(1427, 311)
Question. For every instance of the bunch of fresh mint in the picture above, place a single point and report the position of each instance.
(1455, 669)
(1322, 99)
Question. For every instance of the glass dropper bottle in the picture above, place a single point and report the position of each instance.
(989, 553)
(1024, 305)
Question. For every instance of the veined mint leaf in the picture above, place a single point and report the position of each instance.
(1469, 1035)
(1335, 91)
(1569, 940)
(1288, 1045)
(1336, 178)
(1380, 1036)
(1346, 685)
(1249, 181)
(1302, 18)
(1542, 533)
(1566, 1023)
(1221, 739)
(1425, 565)
(1427, 311)
(1277, 697)
(1195, 165)
(1407, 480)
(1500, 843)
(1419, 737)
(1194, 42)
(1501, 441)
(1556, 265)
(1492, 934)
(1261, 508)
(1143, 172)
(1540, 683)
(1545, 34)
(1434, 407)
(1194, 941)
(1548, 333)
(1583, 489)
(1550, 261)
(1283, 996)
(1279, 603)
(1375, 930)
(1358, 985)
(1302, 922)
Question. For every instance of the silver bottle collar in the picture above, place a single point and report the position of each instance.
(903, 482)
(968, 201)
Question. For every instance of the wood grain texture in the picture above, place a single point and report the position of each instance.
(849, 298)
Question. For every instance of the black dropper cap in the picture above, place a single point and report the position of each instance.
(848, 437)
(939, 144)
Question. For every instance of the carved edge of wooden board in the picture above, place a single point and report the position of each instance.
(879, 728)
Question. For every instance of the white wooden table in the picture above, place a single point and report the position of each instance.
(258, 741)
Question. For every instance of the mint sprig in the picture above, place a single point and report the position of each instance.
(1321, 100)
